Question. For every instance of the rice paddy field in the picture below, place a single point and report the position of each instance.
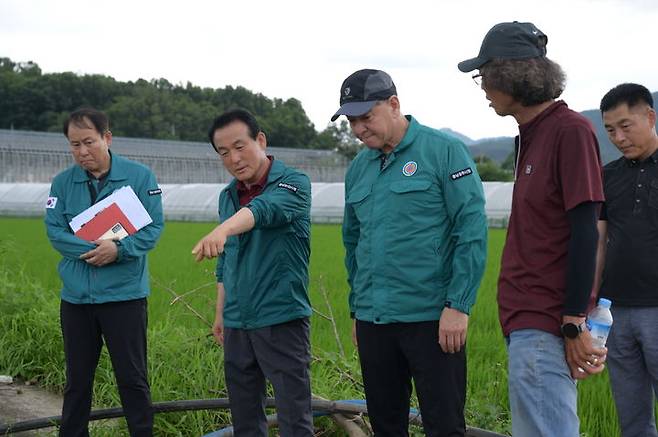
(184, 361)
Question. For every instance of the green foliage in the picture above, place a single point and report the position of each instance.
(339, 137)
(490, 171)
(157, 109)
(186, 364)
(508, 163)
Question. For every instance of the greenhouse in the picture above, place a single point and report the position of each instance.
(198, 202)
(27, 156)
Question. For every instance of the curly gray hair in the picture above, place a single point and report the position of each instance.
(529, 81)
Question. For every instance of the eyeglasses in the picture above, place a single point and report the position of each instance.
(477, 78)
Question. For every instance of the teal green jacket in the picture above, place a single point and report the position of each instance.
(415, 232)
(265, 270)
(125, 279)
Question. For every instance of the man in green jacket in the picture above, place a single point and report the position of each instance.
(105, 282)
(415, 237)
(263, 310)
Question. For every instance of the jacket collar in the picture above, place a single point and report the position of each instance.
(118, 170)
(407, 140)
(276, 171)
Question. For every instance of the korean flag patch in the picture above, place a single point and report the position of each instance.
(51, 202)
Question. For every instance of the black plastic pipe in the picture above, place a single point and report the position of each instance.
(206, 404)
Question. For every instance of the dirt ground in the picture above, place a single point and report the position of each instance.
(19, 402)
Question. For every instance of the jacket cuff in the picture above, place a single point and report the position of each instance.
(121, 251)
(461, 307)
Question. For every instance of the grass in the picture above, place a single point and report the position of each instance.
(186, 364)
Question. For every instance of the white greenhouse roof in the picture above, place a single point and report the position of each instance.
(198, 202)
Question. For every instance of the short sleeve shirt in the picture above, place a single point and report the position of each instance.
(558, 168)
(630, 277)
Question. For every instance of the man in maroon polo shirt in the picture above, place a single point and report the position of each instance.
(549, 257)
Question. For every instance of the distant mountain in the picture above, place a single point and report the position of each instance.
(608, 150)
(464, 139)
(499, 148)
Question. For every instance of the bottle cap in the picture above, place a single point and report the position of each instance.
(605, 303)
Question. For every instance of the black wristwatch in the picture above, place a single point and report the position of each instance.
(571, 330)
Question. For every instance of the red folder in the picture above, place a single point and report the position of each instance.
(110, 223)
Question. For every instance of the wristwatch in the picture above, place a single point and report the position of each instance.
(571, 330)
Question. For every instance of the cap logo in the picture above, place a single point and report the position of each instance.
(347, 91)
(409, 168)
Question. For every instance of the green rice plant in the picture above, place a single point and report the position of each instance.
(184, 361)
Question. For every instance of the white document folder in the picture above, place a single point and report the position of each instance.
(126, 200)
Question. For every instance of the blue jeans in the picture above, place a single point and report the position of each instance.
(633, 368)
(542, 393)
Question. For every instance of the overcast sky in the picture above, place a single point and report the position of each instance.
(304, 49)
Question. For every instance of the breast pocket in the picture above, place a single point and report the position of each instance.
(359, 199)
(412, 195)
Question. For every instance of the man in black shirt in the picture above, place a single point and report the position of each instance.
(628, 256)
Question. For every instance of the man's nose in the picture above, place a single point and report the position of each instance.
(619, 136)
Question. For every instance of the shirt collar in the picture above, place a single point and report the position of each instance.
(241, 187)
(633, 162)
(527, 129)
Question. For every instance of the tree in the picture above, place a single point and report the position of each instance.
(6, 65)
(153, 108)
(508, 163)
(338, 137)
(489, 171)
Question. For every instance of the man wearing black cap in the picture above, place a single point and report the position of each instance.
(548, 261)
(415, 237)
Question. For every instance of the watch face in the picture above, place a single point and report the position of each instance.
(570, 330)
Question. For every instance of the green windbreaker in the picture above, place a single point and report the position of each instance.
(265, 270)
(415, 232)
(125, 279)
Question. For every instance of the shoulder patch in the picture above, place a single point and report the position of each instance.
(156, 191)
(461, 173)
(51, 202)
(288, 187)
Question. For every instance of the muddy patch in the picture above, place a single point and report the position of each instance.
(19, 402)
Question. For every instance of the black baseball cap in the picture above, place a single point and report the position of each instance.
(508, 41)
(361, 90)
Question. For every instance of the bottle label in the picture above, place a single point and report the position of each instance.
(599, 332)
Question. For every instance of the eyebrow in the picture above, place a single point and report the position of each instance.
(81, 141)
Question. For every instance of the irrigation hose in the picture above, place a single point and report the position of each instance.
(318, 405)
(272, 420)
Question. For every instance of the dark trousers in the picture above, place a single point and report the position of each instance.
(280, 353)
(122, 326)
(391, 355)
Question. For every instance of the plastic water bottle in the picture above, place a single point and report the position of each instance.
(599, 322)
